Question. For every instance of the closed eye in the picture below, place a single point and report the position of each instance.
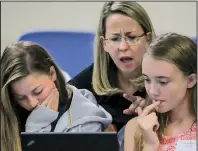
(163, 83)
(146, 80)
(19, 98)
(38, 91)
(115, 39)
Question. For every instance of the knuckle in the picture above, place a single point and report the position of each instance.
(143, 101)
(131, 106)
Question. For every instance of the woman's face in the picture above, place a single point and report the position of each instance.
(121, 43)
(33, 89)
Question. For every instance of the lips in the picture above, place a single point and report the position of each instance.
(126, 59)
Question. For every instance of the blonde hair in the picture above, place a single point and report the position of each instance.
(182, 52)
(20, 60)
(104, 76)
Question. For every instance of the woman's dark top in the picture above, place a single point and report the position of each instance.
(114, 104)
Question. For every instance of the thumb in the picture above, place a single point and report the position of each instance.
(139, 110)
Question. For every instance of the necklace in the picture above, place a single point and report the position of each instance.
(69, 117)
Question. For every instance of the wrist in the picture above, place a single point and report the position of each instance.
(150, 147)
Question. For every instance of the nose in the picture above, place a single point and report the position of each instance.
(123, 45)
(32, 101)
(154, 90)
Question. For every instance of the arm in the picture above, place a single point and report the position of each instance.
(40, 119)
(129, 141)
(130, 129)
(148, 124)
(87, 127)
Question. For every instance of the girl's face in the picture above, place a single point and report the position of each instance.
(33, 89)
(165, 82)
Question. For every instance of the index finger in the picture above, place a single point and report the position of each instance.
(149, 108)
(130, 98)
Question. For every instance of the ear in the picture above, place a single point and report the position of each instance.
(149, 36)
(192, 80)
(53, 73)
(103, 42)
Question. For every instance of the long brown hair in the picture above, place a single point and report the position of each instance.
(104, 75)
(18, 61)
(182, 52)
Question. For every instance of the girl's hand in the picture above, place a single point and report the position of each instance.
(52, 101)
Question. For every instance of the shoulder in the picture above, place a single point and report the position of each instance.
(132, 124)
(83, 79)
(129, 135)
(84, 108)
(132, 127)
(81, 95)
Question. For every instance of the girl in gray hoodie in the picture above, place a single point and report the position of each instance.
(34, 97)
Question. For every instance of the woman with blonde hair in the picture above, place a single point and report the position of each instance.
(34, 98)
(124, 32)
(170, 73)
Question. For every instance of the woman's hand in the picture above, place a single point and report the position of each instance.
(52, 101)
(111, 128)
(148, 123)
(136, 102)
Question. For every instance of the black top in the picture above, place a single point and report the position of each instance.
(114, 104)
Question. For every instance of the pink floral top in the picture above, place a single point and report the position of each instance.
(169, 143)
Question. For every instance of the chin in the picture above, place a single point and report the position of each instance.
(161, 110)
(128, 70)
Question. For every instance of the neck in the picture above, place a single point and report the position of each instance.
(124, 81)
(184, 112)
(126, 76)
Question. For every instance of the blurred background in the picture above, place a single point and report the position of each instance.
(19, 18)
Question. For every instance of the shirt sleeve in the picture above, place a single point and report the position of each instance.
(88, 127)
(40, 119)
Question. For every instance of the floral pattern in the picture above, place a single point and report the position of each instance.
(169, 143)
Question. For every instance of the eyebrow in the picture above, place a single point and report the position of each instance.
(159, 77)
(126, 33)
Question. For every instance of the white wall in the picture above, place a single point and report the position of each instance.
(20, 17)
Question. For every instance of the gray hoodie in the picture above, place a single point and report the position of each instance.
(84, 115)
